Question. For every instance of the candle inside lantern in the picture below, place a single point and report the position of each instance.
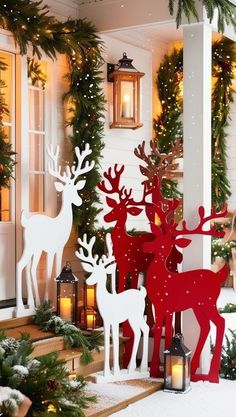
(65, 308)
(90, 296)
(177, 376)
(126, 106)
(90, 320)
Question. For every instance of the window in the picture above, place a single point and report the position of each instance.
(36, 94)
(7, 77)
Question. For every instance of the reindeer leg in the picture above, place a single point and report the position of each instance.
(219, 322)
(168, 330)
(155, 362)
(115, 338)
(137, 333)
(204, 324)
(145, 329)
(24, 260)
(34, 265)
(107, 348)
(59, 261)
(30, 297)
(50, 258)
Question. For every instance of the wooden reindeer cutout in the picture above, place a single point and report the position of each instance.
(44, 233)
(196, 289)
(115, 309)
(127, 249)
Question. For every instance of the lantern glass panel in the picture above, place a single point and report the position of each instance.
(177, 372)
(66, 300)
(127, 99)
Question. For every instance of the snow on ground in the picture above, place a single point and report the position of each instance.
(204, 400)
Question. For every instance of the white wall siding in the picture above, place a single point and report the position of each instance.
(62, 9)
(120, 143)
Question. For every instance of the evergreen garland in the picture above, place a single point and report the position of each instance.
(7, 160)
(86, 105)
(228, 308)
(222, 249)
(35, 73)
(43, 380)
(168, 125)
(223, 57)
(226, 11)
(228, 357)
(31, 24)
(49, 322)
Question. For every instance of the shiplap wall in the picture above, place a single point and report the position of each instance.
(120, 143)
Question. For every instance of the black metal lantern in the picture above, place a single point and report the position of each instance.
(126, 94)
(67, 294)
(89, 316)
(177, 366)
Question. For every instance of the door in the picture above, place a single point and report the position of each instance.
(7, 195)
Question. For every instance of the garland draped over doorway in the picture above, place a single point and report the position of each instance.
(31, 25)
(168, 124)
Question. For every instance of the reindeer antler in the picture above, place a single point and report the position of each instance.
(162, 164)
(76, 171)
(53, 167)
(88, 246)
(109, 258)
(212, 231)
(113, 179)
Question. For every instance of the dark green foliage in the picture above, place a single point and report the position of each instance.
(168, 125)
(35, 72)
(44, 380)
(48, 321)
(228, 357)
(224, 56)
(7, 160)
(226, 11)
(228, 308)
(86, 105)
(222, 249)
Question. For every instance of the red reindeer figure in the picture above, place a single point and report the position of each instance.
(173, 292)
(127, 249)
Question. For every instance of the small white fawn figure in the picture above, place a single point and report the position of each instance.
(115, 308)
(50, 234)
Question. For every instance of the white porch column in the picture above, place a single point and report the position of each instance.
(197, 157)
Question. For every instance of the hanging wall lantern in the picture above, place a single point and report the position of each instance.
(177, 366)
(126, 94)
(67, 294)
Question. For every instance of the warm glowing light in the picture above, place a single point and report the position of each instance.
(90, 320)
(177, 376)
(90, 293)
(65, 308)
(126, 98)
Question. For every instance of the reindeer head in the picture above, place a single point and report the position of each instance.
(171, 236)
(98, 268)
(69, 184)
(125, 204)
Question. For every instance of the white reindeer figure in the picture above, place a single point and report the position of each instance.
(50, 234)
(115, 308)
